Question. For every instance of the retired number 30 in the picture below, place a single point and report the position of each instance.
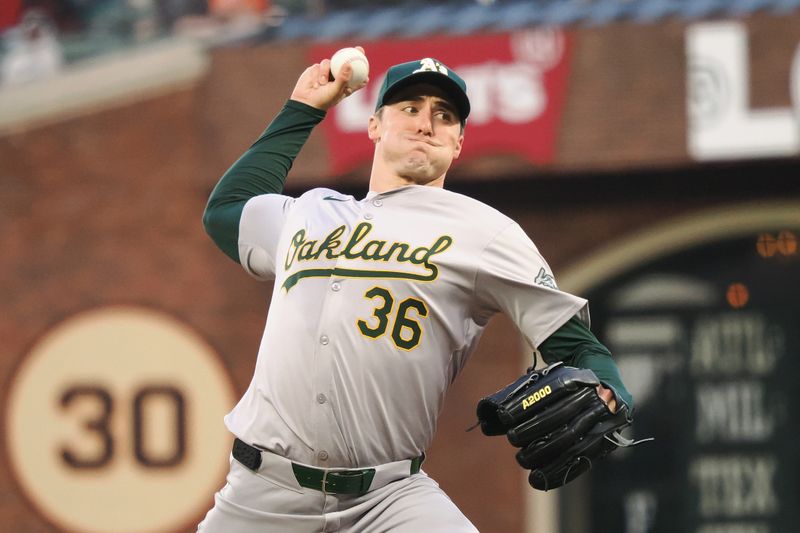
(406, 331)
(100, 425)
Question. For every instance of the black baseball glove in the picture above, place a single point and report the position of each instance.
(558, 420)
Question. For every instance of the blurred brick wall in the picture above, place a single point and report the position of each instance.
(105, 209)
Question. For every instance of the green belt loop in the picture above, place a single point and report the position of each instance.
(416, 464)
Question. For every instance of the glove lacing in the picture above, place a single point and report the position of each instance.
(624, 442)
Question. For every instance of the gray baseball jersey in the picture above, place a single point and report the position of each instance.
(377, 305)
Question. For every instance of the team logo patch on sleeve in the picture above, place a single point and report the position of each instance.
(544, 279)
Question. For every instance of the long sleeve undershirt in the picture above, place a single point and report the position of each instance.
(577, 346)
(262, 169)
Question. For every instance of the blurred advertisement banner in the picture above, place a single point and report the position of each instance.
(516, 84)
(9, 13)
(721, 121)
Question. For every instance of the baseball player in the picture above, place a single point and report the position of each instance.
(378, 303)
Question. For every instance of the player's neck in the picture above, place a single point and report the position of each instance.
(383, 185)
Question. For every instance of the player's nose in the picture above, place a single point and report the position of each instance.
(425, 121)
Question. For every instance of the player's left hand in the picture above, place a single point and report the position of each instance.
(607, 395)
(562, 419)
(316, 88)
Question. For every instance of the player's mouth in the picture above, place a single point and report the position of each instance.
(424, 140)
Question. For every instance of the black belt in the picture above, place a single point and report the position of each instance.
(336, 481)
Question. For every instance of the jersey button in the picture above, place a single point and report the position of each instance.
(335, 286)
(322, 456)
(321, 398)
(368, 216)
(324, 339)
(378, 202)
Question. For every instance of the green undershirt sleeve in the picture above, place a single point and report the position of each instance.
(577, 346)
(262, 169)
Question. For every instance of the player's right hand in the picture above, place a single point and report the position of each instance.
(316, 88)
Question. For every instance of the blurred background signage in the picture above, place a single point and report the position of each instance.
(516, 82)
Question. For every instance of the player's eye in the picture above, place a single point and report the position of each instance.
(410, 109)
(444, 115)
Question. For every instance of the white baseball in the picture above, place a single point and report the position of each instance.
(358, 62)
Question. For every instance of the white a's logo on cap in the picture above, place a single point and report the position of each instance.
(430, 65)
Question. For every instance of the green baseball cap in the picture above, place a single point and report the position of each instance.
(427, 70)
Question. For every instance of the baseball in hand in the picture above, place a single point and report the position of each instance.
(358, 62)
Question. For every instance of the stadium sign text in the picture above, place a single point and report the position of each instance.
(515, 82)
(721, 123)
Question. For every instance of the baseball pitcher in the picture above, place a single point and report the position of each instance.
(378, 304)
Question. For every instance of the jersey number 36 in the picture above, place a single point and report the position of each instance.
(406, 330)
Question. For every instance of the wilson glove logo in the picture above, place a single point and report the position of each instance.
(536, 396)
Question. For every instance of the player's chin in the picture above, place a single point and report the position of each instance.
(420, 173)
(427, 167)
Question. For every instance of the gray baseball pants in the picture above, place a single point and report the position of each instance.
(272, 500)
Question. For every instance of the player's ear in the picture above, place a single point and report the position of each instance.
(374, 128)
(459, 144)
